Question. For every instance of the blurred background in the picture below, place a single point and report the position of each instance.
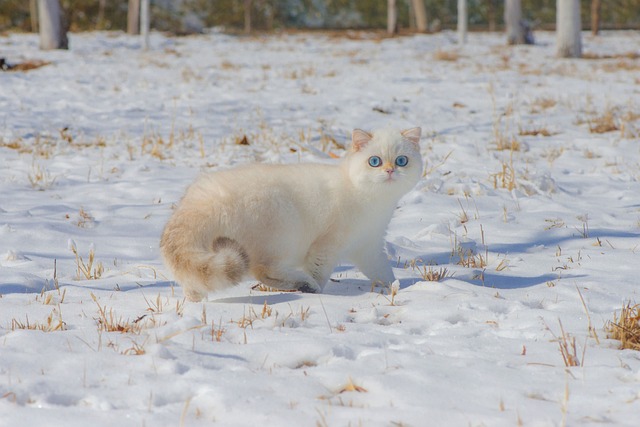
(194, 16)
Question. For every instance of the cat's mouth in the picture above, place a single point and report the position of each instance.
(391, 176)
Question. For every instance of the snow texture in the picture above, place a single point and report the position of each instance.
(98, 146)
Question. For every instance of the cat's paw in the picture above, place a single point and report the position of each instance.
(194, 295)
(307, 288)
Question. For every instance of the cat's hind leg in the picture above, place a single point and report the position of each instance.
(286, 278)
(199, 271)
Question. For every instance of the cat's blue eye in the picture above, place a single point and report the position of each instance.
(402, 161)
(375, 161)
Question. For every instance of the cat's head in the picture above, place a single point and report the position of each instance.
(386, 158)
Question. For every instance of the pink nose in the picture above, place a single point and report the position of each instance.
(389, 171)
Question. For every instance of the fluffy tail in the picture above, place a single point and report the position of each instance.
(200, 267)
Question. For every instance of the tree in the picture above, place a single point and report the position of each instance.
(463, 18)
(100, 22)
(247, 16)
(595, 16)
(421, 15)
(491, 15)
(392, 17)
(513, 22)
(144, 23)
(33, 14)
(568, 26)
(53, 34)
(133, 17)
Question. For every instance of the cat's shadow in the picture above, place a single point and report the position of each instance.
(261, 298)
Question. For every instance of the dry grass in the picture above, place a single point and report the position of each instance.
(15, 144)
(613, 119)
(216, 333)
(52, 323)
(444, 55)
(506, 142)
(108, 321)
(229, 66)
(503, 136)
(300, 73)
(536, 131)
(136, 349)
(506, 178)
(40, 178)
(467, 256)
(26, 65)
(84, 219)
(351, 386)
(603, 123)
(542, 104)
(568, 349)
(89, 270)
(627, 55)
(552, 154)
(626, 327)
(393, 292)
(470, 259)
(611, 63)
(428, 272)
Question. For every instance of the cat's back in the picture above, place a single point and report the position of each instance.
(254, 180)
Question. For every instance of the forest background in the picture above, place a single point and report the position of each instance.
(187, 16)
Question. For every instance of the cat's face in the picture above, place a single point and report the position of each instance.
(386, 159)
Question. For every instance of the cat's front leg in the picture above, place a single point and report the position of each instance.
(374, 263)
(319, 263)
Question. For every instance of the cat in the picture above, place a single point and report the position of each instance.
(290, 225)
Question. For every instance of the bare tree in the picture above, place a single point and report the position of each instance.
(100, 21)
(53, 34)
(144, 23)
(491, 14)
(133, 17)
(568, 26)
(513, 22)
(247, 16)
(33, 14)
(595, 16)
(421, 15)
(463, 18)
(392, 17)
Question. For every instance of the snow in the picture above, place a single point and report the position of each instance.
(99, 145)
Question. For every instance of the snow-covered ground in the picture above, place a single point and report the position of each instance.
(523, 209)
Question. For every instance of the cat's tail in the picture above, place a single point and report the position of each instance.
(200, 268)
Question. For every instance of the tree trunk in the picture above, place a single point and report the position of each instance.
(100, 22)
(33, 14)
(392, 17)
(492, 15)
(133, 17)
(568, 26)
(595, 16)
(462, 21)
(512, 21)
(420, 12)
(144, 23)
(247, 16)
(53, 34)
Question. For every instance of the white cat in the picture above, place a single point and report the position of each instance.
(289, 225)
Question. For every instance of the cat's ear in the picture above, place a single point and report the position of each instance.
(359, 139)
(412, 135)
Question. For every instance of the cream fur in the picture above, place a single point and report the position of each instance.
(289, 225)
